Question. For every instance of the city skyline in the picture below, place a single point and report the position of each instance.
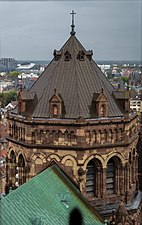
(32, 30)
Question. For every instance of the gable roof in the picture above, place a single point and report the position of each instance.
(48, 197)
(25, 95)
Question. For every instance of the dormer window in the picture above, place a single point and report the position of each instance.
(89, 54)
(99, 106)
(102, 110)
(26, 102)
(56, 105)
(67, 56)
(57, 55)
(55, 110)
(81, 55)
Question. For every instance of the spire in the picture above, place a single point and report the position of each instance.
(72, 25)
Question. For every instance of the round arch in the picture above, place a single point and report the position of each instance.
(69, 157)
(73, 163)
(100, 158)
(52, 157)
(38, 155)
(21, 160)
(94, 178)
(115, 154)
(20, 153)
(10, 150)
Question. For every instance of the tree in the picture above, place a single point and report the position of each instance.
(7, 97)
(13, 74)
(125, 79)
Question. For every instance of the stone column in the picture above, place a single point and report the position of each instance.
(13, 172)
(122, 177)
(98, 181)
(127, 179)
(20, 172)
(7, 175)
(117, 180)
(27, 171)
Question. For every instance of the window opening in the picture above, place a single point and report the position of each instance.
(110, 178)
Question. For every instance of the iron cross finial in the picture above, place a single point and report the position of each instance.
(72, 25)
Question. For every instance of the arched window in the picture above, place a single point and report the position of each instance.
(99, 136)
(54, 136)
(48, 136)
(88, 137)
(41, 135)
(21, 161)
(21, 170)
(115, 133)
(109, 136)
(90, 179)
(104, 137)
(38, 165)
(66, 136)
(12, 157)
(55, 110)
(16, 132)
(67, 56)
(72, 137)
(110, 177)
(94, 136)
(23, 134)
(102, 110)
(94, 178)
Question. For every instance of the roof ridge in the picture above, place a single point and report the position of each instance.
(78, 96)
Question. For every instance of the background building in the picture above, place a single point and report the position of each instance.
(7, 64)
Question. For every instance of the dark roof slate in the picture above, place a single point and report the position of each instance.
(76, 80)
(25, 95)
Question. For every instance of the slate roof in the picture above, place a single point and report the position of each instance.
(27, 95)
(76, 80)
(48, 198)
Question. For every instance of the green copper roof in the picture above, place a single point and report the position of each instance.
(46, 199)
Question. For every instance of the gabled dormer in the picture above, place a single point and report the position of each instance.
(99, 106)
(89, 54)
(67, 56)
(81, 55)
(123, 98)
(26, 102)
(56, 105)
(57, 55)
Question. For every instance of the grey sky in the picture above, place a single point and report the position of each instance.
(32, 30)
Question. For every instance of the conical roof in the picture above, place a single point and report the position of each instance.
(76, 80)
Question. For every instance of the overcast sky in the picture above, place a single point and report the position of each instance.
(32, 30)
